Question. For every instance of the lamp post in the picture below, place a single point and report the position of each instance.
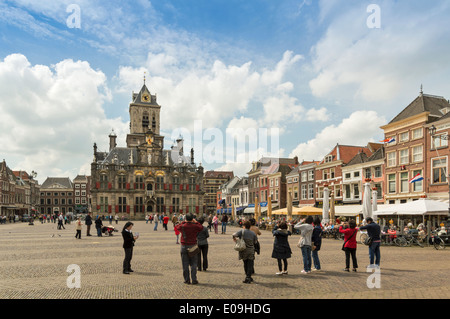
(432, 131)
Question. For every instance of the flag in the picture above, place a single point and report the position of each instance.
(416, 178)
(388, 140)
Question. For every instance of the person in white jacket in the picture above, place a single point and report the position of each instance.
(306, 230)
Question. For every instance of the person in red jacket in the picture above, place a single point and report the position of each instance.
(165, 221)
(349, 230)
(189, 230)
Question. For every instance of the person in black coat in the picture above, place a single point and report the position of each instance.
(316, 240)
(88, 222)
(281, 249)
(98, 226)
(128, 243)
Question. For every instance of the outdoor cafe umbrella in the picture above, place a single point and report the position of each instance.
(269, 207)
(326, 206)
(332, 209)
(374, 201)
(289, 206)
(367, 205)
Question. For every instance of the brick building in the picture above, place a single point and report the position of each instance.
(57, 196)
(412, 152)
(328, 172)
(211, 184)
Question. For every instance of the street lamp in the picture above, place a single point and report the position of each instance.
(432, 131)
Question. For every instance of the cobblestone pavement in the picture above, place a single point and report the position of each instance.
(33, 264)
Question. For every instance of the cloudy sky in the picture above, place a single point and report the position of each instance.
(312, 73)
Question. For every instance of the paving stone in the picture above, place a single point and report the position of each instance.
(34, 261)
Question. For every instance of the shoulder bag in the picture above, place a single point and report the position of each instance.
(240, 243)
(349, 239)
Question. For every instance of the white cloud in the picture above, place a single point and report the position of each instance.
(358, 129)
(358, 64)
(51, 116)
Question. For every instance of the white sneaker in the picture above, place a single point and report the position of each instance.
(305, 272)
(279, 273)
(314, 269)
(285, 272)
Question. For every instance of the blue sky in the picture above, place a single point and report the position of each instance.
(312, 69)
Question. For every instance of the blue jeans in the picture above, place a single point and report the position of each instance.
(306, 253)
(156, 225)
(315, 257)
(374, 253)
(224, 227)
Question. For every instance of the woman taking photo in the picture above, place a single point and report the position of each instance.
(281, 249)
(349, 230)
(128, 243)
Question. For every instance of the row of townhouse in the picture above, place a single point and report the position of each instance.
(415, 144)
(19, 192)
(62, 195)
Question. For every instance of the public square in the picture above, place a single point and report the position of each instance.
(34, 261)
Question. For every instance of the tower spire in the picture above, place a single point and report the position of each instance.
(144, 76)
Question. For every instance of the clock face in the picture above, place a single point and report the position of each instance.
(145, 98)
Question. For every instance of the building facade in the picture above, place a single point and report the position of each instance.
(144, 178)
(57, 196)
(81, 191)
(410, 143)
(19, 192)
(212, 180)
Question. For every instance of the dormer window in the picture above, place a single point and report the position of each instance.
(328, 158)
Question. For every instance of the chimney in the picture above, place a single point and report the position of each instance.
(296, 160)
(112, 140)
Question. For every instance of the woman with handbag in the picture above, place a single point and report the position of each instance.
(349, 230)
(248, 252)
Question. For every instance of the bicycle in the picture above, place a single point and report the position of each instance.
(436, 241)
(411, 239)
(362, 237)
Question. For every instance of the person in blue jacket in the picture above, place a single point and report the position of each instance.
(373, 231)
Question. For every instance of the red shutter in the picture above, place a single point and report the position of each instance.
(187, 209)
(187, 187)
(170, 186)
(135, 185)
(97, 185)
(109, 185)
(196, 209)
(165, 186)
(181, 187)
(117, 209)
(128, 185)
(98, 207)
(128, 209)
(143, 208)
(197, 187)
(143, 185)
(109, 209)
(164, 208)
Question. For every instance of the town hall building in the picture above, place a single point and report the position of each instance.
(144, 178)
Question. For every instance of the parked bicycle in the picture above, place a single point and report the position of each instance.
(437, 242)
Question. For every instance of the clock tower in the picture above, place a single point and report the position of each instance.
(144, 119)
